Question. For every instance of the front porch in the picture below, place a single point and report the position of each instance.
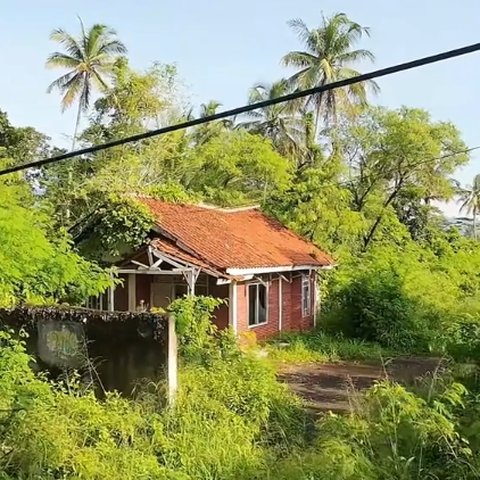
(264, 301)
(152, 279)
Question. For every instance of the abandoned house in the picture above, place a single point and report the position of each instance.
(266, 272)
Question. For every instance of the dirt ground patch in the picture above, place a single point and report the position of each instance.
(329, 386)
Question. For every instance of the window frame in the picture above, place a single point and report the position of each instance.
(257, 303)
(306, 281)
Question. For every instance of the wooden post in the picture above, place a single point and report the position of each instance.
(280, 304)
(111, 299)
(132, 292)
(172, 360)
(191, 277)
(316, 299)
(233, 306)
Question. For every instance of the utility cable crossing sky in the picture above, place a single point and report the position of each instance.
(383, 72)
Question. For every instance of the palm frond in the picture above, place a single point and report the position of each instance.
(101, 83)
(85, 95)
(61, 60)
(300, 28)
(72, 89)
(61, 82)
(356, 56)
(299, 59)
(113, 47)
(70, 43)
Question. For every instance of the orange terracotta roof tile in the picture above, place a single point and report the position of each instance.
(241, 238)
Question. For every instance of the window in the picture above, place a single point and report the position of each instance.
(306, 295)
(257, 304)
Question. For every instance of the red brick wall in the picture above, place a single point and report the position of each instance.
(297, 321)
(292, 318)
(271, 327)
(222, 292)
(242, 308)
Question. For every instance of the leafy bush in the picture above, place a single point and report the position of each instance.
(391, 434)
(462, 337)
(375, 306)
(198, 337)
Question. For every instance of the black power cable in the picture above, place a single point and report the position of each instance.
(248, 108)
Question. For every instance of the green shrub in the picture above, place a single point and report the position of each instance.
(461, 337)
(198, 337)
(391, 434)
(230, 417)
(374, 306)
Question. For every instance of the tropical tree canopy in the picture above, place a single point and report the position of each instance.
(470, 201)
(89, 60)
(329, 56)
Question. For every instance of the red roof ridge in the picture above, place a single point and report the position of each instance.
(206, 206)
(245, 208)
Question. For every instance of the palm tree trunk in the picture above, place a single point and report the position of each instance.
(317, 120)
(77, 123)
(474, 224)
(70, 173)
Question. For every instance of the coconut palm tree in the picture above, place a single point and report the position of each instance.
(470, 198)
(328, 57)
(89, 59)
(203, 133)
(281, 123)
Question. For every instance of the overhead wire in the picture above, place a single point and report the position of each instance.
(446, 55)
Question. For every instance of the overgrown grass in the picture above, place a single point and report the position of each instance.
(231, 421)
(318, 346)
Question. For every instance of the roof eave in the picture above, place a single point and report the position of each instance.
(276, 269)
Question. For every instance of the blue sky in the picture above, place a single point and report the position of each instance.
(222, 47)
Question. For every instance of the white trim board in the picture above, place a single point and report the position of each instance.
(257, 270)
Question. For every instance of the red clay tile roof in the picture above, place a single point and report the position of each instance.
(233, 239)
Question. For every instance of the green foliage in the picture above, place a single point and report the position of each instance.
(121, 225)
(391, 434)
(379, 310)
(172, 192)
(36, 269)
(411, 297)
(228, 420)
(237, 167)
(231, 420)
(195, 329)
(319, 346)
(462, 337)
(319, 208)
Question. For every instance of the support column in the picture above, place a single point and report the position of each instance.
(132, 292)
(280, 304)
(111, 299)
(172, 379)
(191, 278)
(233, 306)
(316, 299)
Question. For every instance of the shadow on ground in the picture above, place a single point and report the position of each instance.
(329, 386)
